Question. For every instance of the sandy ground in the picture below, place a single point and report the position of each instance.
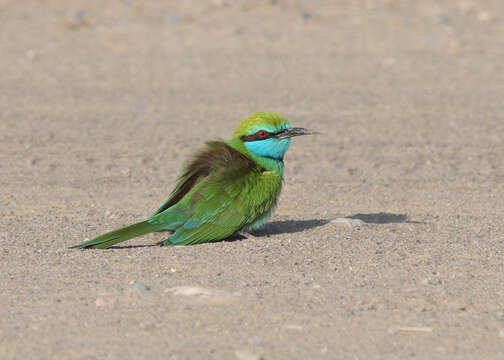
(100, 105)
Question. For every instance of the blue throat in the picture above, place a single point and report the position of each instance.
(269, 152)
(270, 148)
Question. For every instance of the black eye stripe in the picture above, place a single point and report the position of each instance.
(255, 137)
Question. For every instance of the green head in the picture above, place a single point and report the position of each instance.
(267, 135)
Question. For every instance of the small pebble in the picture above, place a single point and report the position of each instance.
(294, 327)
(244, 354)
(485, 16)
(104, 301)
(306, 15)
(171, 18)
(138, 287)
(202, 293)
(351, 223)
(100, 302)
(441, 19)
(77, 15)
(255, 340)
(466, 7)
(30, 54)
(146, 325)
(77, 19)
(189, 291)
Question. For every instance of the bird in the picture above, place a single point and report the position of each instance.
(227, 187)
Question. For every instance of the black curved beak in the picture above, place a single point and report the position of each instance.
(291, 132)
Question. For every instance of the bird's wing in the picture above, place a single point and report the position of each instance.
(216, 160)
(233, 194)
(193, 174)
(223, 206)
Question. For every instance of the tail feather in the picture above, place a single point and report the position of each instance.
(119, 235)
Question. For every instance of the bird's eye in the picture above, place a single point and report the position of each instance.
(262, 133)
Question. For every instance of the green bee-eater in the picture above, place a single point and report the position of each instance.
(227, 187)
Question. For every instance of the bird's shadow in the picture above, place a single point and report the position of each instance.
(272, 228)
(383, 218)
(288, 227)
(295, 226)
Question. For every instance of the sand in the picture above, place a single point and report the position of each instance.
(101, 102)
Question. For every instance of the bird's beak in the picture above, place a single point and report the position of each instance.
(291, 132)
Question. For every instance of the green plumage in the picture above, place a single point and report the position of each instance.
(120, 235)
(228, 186)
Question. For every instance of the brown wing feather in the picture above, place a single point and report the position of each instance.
(215, 156)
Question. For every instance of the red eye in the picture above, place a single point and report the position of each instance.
(262, 133)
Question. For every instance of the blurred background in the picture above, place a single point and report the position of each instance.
(371, 72)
